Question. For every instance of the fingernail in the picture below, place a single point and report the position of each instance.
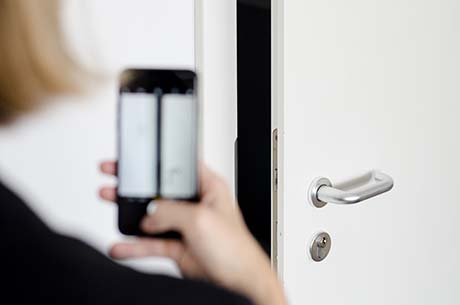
(151, 207)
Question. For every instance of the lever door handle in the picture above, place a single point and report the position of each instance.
(371, 184)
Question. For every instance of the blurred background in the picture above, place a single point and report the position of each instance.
(52, 158)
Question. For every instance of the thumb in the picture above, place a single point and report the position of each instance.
(169, 216)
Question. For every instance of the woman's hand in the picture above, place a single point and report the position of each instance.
(216, 244)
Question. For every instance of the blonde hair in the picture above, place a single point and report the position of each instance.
(34, 62)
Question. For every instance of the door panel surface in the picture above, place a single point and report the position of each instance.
(361, 85)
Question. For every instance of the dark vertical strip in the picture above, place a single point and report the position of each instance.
(254, 116)
(159, 140)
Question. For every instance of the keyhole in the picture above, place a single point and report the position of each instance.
(323, 243)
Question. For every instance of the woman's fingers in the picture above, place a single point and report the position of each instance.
(108, 167)
(170, 216)
(108, 193)
(148, 247)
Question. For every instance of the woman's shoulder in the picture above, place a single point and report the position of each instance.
(15, 215)
(54, 266)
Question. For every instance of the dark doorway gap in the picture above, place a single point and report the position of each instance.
(254, 117)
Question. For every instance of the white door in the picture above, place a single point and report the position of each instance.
(362, 85)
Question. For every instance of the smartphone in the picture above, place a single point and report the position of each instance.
(157, 142)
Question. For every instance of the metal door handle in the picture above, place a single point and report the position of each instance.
(358, 189)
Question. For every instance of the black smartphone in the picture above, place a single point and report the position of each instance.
(157, 142)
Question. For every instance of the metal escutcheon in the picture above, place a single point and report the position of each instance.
(320, 247)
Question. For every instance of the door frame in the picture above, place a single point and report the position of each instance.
(215, 65)
(229, 65)
(277, 115)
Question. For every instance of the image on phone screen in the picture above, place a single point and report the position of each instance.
(157, 135)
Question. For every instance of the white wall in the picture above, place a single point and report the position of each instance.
(51, 158)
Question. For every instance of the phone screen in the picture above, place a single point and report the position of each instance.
(157, 135)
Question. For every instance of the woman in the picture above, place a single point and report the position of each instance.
(221, 262)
